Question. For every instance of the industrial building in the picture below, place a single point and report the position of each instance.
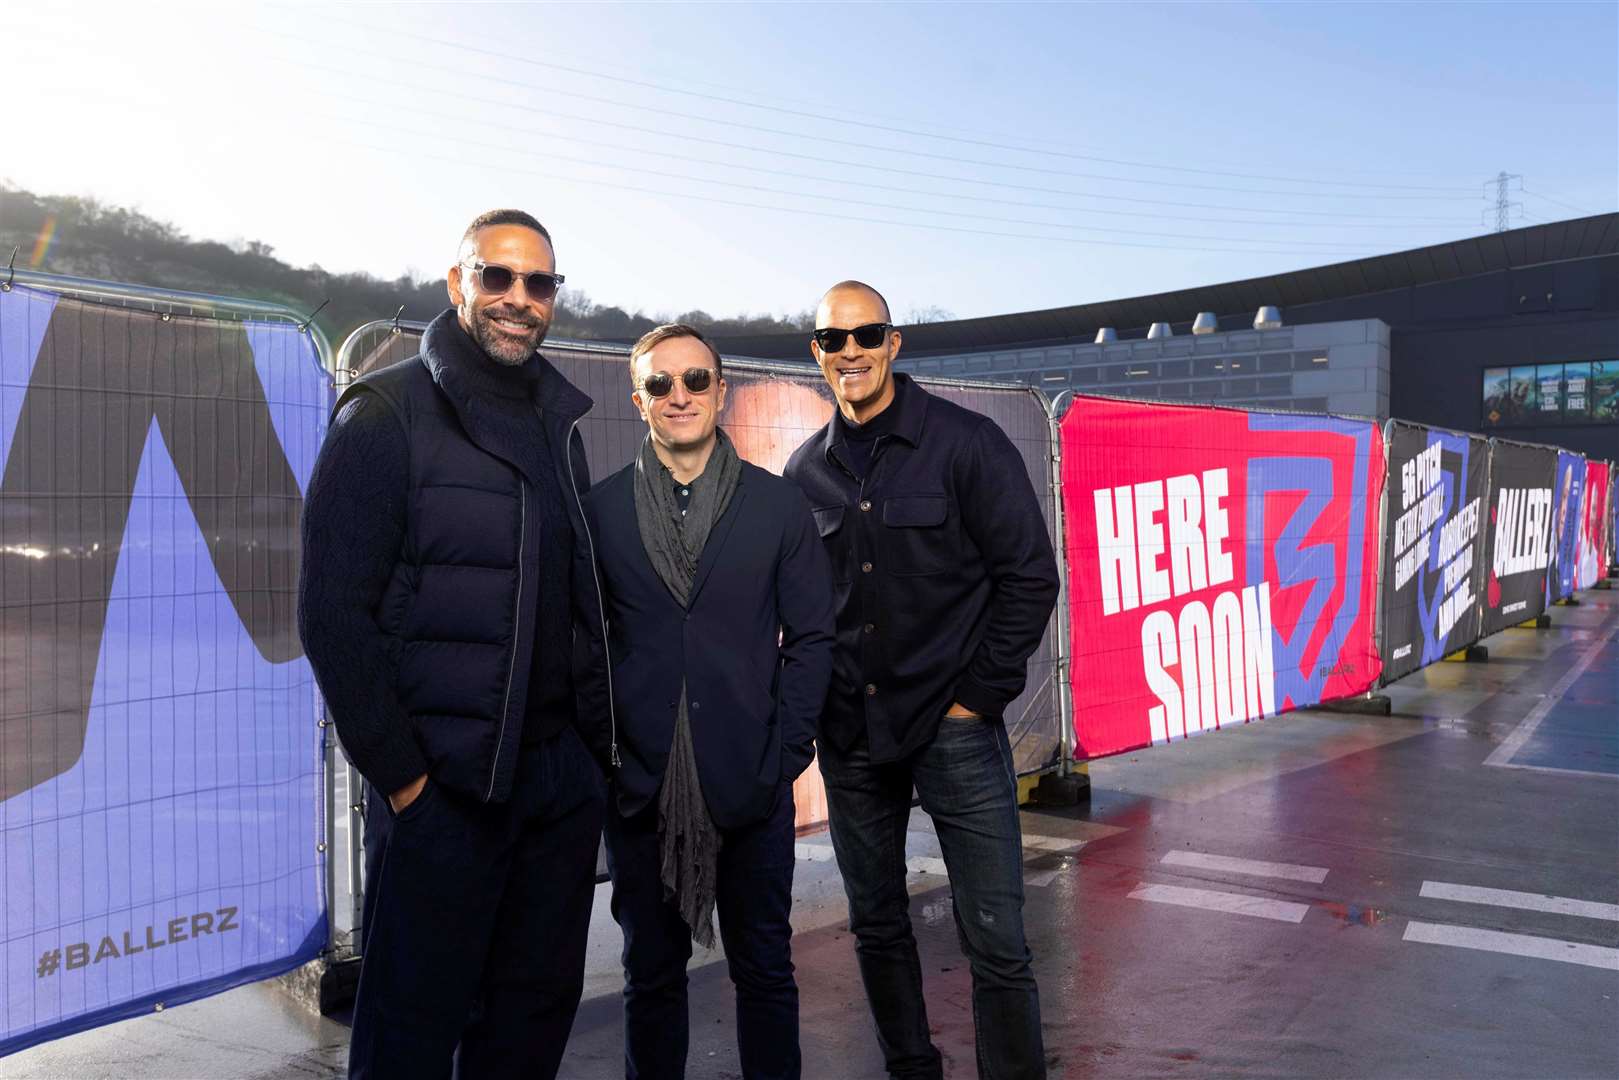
(1513, 333)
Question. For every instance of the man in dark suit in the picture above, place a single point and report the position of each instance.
(719, 605)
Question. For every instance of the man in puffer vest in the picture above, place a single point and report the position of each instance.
(449, 608)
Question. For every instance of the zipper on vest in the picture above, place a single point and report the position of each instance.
(511, 668)
(601, 610)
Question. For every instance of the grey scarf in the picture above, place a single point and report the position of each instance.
(688, 841)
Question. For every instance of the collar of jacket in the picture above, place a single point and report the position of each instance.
(457, 366)
(910, 405)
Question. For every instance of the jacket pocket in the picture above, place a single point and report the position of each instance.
(839, 543)
(917, 538)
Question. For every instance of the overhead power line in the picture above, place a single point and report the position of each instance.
(1559, 202)
(416, 112)
(880, 148)
(846, 201)
(822, 159)
(594, 182)
(440, 43)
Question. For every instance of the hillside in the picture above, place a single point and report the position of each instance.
(92, 239)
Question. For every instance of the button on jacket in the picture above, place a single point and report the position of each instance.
(943, 571)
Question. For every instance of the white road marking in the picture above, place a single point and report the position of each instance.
(1538, 948)
(1233, 903)
(1557, 905)
(1502, 757)
(926, 864)
(1041, 878)
(1200, 861)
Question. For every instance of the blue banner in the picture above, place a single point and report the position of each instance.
(160, 766)
(1570, 492)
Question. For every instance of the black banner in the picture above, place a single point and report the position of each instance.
(1433, 548)
(1519, 533)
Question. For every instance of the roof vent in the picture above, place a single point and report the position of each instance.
(1159, 330)
(1205, 323)
(1106, 334)
(1267, 318)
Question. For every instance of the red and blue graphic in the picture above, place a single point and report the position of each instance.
(1222, 566)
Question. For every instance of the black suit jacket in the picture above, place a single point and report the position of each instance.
(754, 645)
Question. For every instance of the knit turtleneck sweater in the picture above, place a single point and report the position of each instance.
(364, 466)
(508, 396)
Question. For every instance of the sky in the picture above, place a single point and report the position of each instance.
(964, 158)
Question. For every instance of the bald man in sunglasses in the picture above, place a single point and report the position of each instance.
(719, 604)
(945, 580)
(450, 611)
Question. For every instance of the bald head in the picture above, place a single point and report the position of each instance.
(864, 295)
(855, 345)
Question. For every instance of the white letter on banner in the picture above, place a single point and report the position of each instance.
(1228, 659)
(1184, 515)
(1158, 649)
(1216, 526)
(1150, 543)
(1197, 666)
(1503, 533)
(1116, 550)
(1228, 695)
(1258, 651)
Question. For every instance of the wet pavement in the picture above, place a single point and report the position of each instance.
(1429, 894)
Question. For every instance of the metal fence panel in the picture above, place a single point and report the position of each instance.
(161, 761)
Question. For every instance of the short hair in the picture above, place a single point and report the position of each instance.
(505, 217)
(888, 315)
(668, 331)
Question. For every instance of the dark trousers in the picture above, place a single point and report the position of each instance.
(475, 923)
(967, 784)
(755, 896)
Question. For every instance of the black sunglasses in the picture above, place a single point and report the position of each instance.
(496, 280)
(661, 383)
(867, 337)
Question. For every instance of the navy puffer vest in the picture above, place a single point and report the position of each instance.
(461, 607)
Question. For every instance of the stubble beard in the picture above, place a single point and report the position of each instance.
(500, 346)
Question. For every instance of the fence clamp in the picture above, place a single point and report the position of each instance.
(11, 270)
(303, 327)
(397, 329)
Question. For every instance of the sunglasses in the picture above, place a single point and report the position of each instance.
(867, 337)
(496, 280)
(661, 383)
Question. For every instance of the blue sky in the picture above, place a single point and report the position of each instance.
(742, 157)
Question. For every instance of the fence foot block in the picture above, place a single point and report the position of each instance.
(1473, 654)
(1057, 790)
(338, 984)
(1570, 601)
(1604, 584)
(1365, 705)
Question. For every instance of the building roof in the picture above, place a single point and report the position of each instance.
(1556, 241)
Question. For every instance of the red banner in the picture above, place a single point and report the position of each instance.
(1592, 561)
(1222, 566)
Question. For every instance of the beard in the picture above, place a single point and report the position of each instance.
(501, 346)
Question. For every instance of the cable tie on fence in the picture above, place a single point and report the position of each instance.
(396, 327)
(303, 327)
(11, 270)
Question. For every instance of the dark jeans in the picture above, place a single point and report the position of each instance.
(755, 895)
(966, 783)
(475, 923)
